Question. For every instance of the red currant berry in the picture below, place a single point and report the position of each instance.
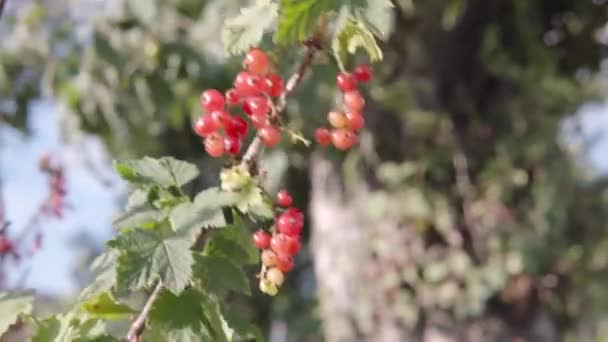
(212, 100)
(256, 61)
(221, 117)
(284, 198)
(297, 214)
(232, 97)
(270, 136)
(269, 258)
(343, 139)
(256, 105)
(279, 244)
(254, 85)
(354, 121)
(293, 245)
(275, 83)
(232, 145)
(284, 263)
(275, 276)
(205, 125)
(214, 145)
(323, 136)
(289, 224)
(259, 121)
(346, 82)
(363, 73)
(240, 81)
(336, 119)
(237, 126)
(353, 101)
(6, 245)
(261, 239)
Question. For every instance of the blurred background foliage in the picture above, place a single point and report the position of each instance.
(477, 213)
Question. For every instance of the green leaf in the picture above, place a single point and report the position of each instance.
(350, 35)
(105, 268)
(54, 329)
(221, 331)
(12, 306)
(240, 326)
(297, 19)
(378, 17)
(105, 306)
(166, 171)
(247, 29)
(139, 212)
(149, 255)
(179, 317)
(104, 49)
(233, 242)
(218, 274)
(204, 211)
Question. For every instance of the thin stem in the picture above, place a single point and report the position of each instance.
(137, 327)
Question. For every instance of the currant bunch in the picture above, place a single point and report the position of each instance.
(346, 124)
(280, 245)
(253, 90)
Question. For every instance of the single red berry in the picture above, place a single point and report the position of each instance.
(269, 258)
(240, 81)
(270, 136)
(336, 119)
(284, 198)
(259, 121)
(252, 85)
(275, 83)
(284, 263)
(232, 145)
(279, 244)
(323, 136)
(343, 139)
(221, 117)
(6, 245)
(212, 100)
(346, 82)
(354, 121)
(205, 125)
(293, 244)
(256, 61)
(261, 239)
(214, 145)
(297, 214)
(233, 97)
(275, 276)
(289, 224)
(256, 105)
(353, 101)
(363, 73)
(237, 127)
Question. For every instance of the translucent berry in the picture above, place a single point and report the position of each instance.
(279, 244)
(261, 239)
(354, 121)
(205, 125)
(275, 276)
(275, 83)
(259, 121)
(232, 145)
(270, 136)
(284, 198)
(343, 139)
(233, 97)
(293, 245)
(336, 119)
(212, 100)
(269, 258)
(221, 117)
(214, 145)
(353, 101)
(237, 126)
(256, 105)
(289, 224)
(256, 61)
(284, 263)
(363, 73)
(240, 81)
(346, 82)
(323, 136)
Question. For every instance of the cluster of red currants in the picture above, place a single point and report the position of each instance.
(345, 125)
(279, 248)
(55, 203)
(253, 91)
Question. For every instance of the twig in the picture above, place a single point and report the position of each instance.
(256, 145)
(137, 326)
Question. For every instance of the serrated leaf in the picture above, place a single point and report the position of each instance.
(204, 211)
(54, 329)
(297, 19)
(105, 268)
(105, 306)
(378, 17)
(142, 216)
(12, 306)
(247, 29)
(240, 325)
(233, 242)
(218, 274)
(179, 317)
(165, 171)
(221, 331)
(149, 255)
(350, 35)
